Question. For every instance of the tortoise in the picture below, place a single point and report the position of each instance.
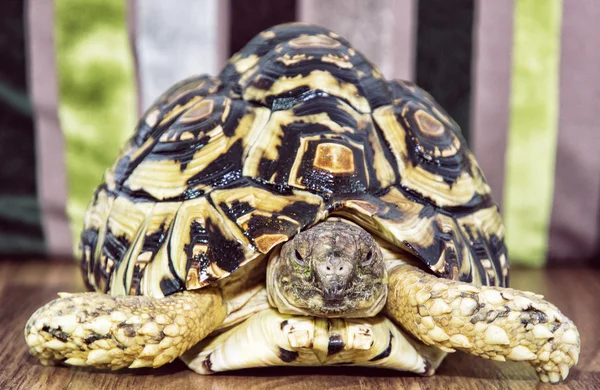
(298, 209)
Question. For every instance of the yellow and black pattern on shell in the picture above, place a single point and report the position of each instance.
(456, 243)
(298, 126)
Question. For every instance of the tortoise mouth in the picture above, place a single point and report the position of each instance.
(348, 305)
(333, 296)
(334, 292)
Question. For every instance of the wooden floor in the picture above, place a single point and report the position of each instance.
(26, 285)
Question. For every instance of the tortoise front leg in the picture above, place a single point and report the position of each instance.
(270, 338)
(490, 322)
(101, 331)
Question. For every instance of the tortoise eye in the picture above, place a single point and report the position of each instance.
(368, 258)
(298, 257)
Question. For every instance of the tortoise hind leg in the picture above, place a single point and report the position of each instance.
(491, 322)
(102, 331)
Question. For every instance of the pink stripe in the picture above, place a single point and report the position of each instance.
(223, 21)
(377, 29)
(574, 226)
(403, 38)
(50, 153)
(491, 94)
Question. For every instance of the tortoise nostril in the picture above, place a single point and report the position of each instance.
(328, 268)
(341, 268)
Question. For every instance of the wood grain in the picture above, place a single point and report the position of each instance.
(26, 285)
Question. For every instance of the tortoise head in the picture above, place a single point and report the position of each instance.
(334, 269)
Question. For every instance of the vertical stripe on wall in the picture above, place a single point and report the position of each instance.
(50, 164)
(97, 95)
(444, 50)
(175, 40)
(20, 225)
(533, 128)
(223, 31)
(382, 30)
(492, 65)
(132, 29)
(574, 227)
(248, 18)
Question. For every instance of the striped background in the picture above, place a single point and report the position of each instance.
(519, 76)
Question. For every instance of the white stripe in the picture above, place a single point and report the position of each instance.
(176, 39)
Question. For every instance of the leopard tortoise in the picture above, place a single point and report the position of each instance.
(298, 209)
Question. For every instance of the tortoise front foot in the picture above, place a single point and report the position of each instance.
(101, 331)
(270, 338)
(491, 322)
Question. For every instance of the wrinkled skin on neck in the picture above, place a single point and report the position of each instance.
(334, 269)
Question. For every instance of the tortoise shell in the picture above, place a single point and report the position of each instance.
(297, 127)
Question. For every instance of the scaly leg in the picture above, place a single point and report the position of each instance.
(270, 338)
(101, 331)
(490, 322)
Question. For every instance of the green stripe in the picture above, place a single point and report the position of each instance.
(15, 99)
(533, 129)
(97, 96)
